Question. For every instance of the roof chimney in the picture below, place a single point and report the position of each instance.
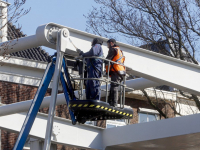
(3, 20)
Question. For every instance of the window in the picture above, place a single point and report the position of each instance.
(116, 123)
(27, 144)
(147, 115)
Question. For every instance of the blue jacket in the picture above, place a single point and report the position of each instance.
(94, 66)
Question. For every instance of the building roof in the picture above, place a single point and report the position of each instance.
(162, 47)
(36, 53)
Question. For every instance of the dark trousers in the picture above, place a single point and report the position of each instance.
(93, 90)
(113, 97)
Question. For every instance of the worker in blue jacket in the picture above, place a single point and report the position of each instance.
(94, 69)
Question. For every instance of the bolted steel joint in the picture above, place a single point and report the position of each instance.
(52, 34)
(65, 33)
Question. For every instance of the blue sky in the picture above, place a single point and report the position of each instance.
(65, 12)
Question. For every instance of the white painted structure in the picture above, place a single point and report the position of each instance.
(122, 137)
(175, 133)
(3, 20)
(3, 28)
(140, 62)
(23, 71)
(63, 130)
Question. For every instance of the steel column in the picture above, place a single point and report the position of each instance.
(61, 43)
(33, 110)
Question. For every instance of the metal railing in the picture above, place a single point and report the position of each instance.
(122, 85)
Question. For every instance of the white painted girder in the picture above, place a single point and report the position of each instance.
(173, 133)
(19, 44)
(84, 136)
(23, 71)
(150, 65)
(147, 64)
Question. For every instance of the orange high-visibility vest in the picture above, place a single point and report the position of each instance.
(117, 58)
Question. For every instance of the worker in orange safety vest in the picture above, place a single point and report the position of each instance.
(116, 71)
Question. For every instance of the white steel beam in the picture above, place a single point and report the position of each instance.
(147, 64)
(144, 136)
(24, 106)
(150, 65)
(19, 44)
(3, 21)
(62, 37)
(23, 71)
(83, 136)
(174, 133)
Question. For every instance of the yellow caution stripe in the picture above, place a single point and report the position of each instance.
(80, 105)
(102, 107)
(74, 105)
(92, 105)
(85, 105)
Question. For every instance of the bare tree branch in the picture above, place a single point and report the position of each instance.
(176, 22)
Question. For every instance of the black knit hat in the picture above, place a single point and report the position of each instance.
(112, 40)
(97, 41)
